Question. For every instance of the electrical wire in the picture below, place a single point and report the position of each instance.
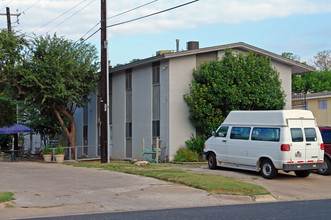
(31, 6)
(6, 5)
(149, 15)
(70, 17)
(146, 16)
(117, 16)
(59, 16)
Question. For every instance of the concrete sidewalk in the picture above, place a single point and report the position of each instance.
(42, 189)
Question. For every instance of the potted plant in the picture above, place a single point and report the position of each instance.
(59, 154)
(47, 154)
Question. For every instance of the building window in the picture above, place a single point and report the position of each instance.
(128, 125)
(322, 104)
(85, 129)
(156, 100)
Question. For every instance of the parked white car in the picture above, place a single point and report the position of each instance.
(267, 141)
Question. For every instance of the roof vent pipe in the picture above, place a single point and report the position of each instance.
(177, 45)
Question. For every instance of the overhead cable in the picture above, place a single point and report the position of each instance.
(149, 15)
(60, 15)
(70, 16)
(118, 15)
(31, 6)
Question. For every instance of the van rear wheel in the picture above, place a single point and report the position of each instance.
(212, 161)
(327, 170)
(302, 173)
(268, 169)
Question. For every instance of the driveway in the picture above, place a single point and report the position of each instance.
(42, 189)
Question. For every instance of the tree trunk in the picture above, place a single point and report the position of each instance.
(71, 135)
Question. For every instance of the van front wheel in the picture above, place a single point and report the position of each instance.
(302, 173)
(212, 161)
(268, 169)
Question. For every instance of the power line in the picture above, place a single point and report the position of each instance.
(118, 15)
(31, 6)
(146, 16)
(70, 16)
(149, 15)
(6, 4)
(60, 15)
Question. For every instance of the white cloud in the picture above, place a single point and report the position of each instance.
(201, 13)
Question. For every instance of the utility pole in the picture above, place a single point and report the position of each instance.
(8, 18)
(103, 84)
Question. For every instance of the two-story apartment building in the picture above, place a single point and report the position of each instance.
(147, 99)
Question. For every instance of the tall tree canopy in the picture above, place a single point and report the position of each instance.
(11, 59)
(317, 81)
(62, 74)
(237, 82)
(56, 76)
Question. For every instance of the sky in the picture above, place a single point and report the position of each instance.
(302, 27)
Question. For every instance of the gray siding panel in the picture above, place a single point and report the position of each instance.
(141, 109)
(118, 104)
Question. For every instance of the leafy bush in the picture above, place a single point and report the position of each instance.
(185, 155)
(196, 143)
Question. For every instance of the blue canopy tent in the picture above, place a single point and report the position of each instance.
(15, 128)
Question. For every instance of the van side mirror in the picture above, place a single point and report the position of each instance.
(213, 133)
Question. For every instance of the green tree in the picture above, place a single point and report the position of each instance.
(11, 59)
(237, 82)
(312, 82)
(58, 75)
(62, 75)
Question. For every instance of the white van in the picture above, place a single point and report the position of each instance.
(267, 141)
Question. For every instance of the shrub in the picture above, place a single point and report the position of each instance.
(185, 155)
(196, 144)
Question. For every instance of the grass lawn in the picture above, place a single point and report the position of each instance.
(210, 183)
(5, 196)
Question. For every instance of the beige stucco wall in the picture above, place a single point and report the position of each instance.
(285, 75)
(180, 127)
(323, 116)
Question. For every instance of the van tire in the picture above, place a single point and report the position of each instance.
(212, 161)
(268, 170)
(302, 173)
(326, 171)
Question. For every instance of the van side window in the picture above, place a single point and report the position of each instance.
(222, 132)
(297, 135)
(265, 134)
(241, 133)
(310, 134)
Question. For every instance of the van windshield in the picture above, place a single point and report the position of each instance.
(297, 135)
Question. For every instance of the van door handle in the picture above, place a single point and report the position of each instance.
(223, 140)
(308, 144)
